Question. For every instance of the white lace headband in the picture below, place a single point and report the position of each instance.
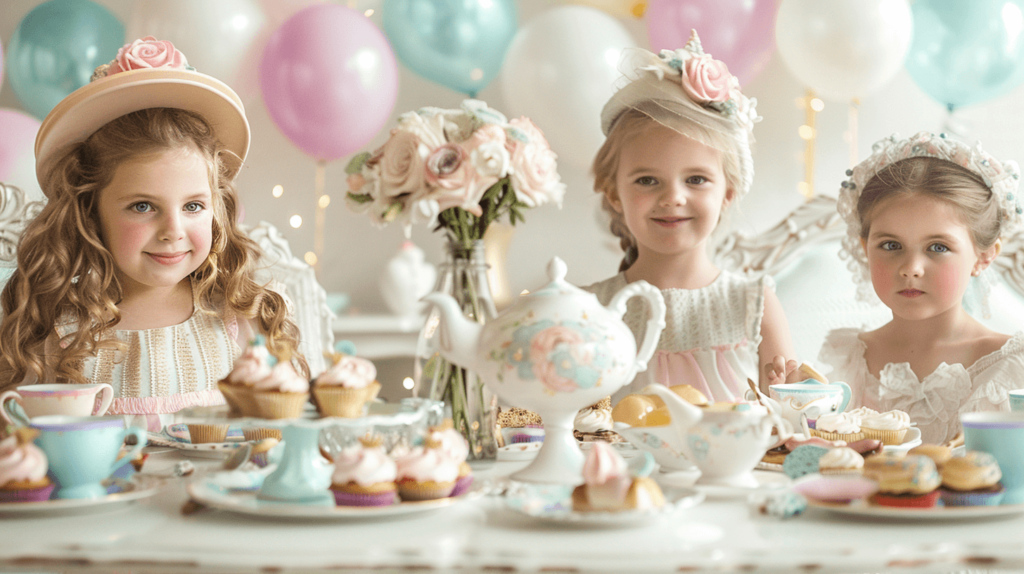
(692, 89)
(1003, 178)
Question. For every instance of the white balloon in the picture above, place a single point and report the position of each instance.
(215, 36)
(844, 49)
(560, 71)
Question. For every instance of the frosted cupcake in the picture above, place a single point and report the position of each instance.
(262, 386)
(254, 364)
(971, 480)
(455, 447)
(345, 388)
(364, 476)
(426, 473)
(843, 461)
(23, 469)
(594, 423)
(908, 482)
(608, 485)
(838, 426)
(889, 427)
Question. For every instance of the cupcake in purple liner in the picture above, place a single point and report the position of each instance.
(455, 447)
(364, 476)
(972, 480)
(260, 455)
(427, 473)
(23, 469)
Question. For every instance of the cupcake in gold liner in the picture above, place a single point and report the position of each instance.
(260, 433)
(426, 472)
(261, 385)
(889, 427)
(346, 386)
(838, 426)
(207, 433)
(841, 461)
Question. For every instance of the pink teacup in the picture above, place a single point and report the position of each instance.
(55, 399)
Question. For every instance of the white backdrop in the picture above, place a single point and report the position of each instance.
(356, 251)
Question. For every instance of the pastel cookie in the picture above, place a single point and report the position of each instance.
(803, 460)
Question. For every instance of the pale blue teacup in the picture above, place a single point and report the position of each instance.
(811, 398)
(82, 451)
(1017, 400)
(1000, 434)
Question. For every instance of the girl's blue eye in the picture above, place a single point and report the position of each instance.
(938, 248)
(142, 207)
(890, 245)
(646, 180)
(194, 207)
(696, 180)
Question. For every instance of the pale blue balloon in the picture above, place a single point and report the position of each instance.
(967, 52)
(55, 49)
(460, 44)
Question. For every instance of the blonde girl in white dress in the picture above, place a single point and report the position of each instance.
(924, 216)
(677, 154)
(136, 273)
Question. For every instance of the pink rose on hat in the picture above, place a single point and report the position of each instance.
(147, 53)
(706, 79)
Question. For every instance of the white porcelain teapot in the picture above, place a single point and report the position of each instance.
(554, 352)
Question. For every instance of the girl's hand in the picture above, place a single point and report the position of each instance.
(781, 371)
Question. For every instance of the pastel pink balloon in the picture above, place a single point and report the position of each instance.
(329, 80)
(740, 33)
(1, 65)
(17, 143)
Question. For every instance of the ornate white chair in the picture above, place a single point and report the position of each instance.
(816, 289)
(307, 300)
(15, 212)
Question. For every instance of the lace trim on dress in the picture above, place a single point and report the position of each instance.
(168, 404)
(1014, 346)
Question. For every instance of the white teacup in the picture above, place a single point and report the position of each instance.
(67, 399)
(810, 397)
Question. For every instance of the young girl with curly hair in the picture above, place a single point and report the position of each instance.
(136, 272)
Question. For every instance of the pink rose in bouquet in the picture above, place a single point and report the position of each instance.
(147, 52)
(535, 177)
(457, 182)
(401, 166)
(706, 79)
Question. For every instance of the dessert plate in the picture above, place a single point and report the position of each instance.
(937, 513)
(766, 480)
(910, 440)
(519, 451)
(202, 450)
(122, 492)
(211, 494)
(553, 503)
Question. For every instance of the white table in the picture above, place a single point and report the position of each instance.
(482, 535)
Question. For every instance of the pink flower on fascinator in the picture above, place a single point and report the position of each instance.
(706, 79)
(147, 53)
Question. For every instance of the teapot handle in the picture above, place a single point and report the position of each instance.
(655, 324)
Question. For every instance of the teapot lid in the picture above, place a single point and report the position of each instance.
(558, 285)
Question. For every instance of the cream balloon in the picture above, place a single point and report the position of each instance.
(214, 36)
(559, 71)
(844, 49)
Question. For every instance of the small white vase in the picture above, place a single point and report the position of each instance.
(407, 278)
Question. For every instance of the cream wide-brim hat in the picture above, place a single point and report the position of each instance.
(92, 106)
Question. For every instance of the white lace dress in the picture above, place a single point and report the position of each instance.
(935, 403)
(711, 335)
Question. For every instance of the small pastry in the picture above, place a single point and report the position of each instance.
(866, 446)
(838, 426)
(594, 423)
(455, 447)
(346, 386)
(260, 385)
(841, 461)
(260, 455)
(803, 460)
(260, 433)
(515, 417)
(207, 433)
(889, 427)
(23, 468)
(938, 453)
(909, 482)
(972, 480)
(609, 487)
(426, 472)
(637, 410)
(690, 394)
(364, 476)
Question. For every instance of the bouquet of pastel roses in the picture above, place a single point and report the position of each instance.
(459, 169)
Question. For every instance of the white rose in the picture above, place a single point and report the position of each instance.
(535, 178)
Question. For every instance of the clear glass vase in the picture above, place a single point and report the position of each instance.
(470, 404)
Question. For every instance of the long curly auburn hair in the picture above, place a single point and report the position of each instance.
(66, 273)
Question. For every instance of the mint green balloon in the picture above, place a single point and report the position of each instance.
(967, 52)
(460, 44)
(55, 49)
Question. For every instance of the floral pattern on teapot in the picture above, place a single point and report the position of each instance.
(562, 355)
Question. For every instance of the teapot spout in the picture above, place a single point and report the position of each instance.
(459, 337)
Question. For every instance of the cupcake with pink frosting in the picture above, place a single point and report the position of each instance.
(455, 447)
(263, 386)
(608, 485)
(426, 473)
(23, 469)
(364, 476)
(345, 388)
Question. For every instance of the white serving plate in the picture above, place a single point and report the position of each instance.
(138, 488)
(244, 502)
(937, 513)
(557, 507)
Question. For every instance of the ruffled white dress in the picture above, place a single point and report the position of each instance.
(935, 403)
(711, 335)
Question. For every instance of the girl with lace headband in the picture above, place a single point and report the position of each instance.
(677, 155)
(924, 215)
(136, 272)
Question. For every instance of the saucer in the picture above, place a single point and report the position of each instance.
(764, 480)
(551, 503)
(910, 440)
(519, 451)
(201, 450)
(121, 493)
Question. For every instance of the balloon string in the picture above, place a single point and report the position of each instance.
(851, 120)
(809, 132)
(321, 204)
